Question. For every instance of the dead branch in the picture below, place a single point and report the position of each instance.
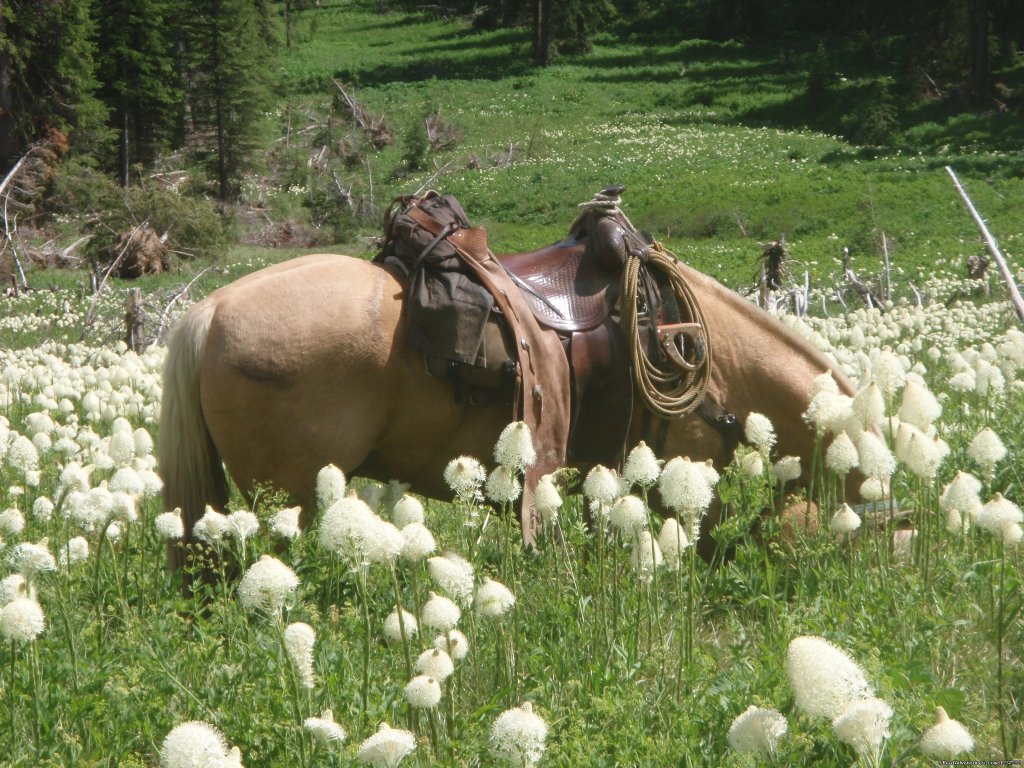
(858, 285)
(373, 125)
(993, 247)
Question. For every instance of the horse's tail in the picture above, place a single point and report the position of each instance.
(189, 462)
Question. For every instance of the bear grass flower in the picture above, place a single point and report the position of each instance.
(344, 526)
(14, 586)
(757, 730)
(12, 522)
(196, 744)
(285, 522)
(828, 411)
(42, 509)
(845, 521)
(869, 406)
(387, 747)
(74, 552)
(242, 524)
(299, 639)
(760, 433)
(440, 613)
(465, 476)
(547, 500)
(170, 524)
(503, 486)
(382, 542)
(602, 485)
(986, 450)
(454, 643)
(919, 406)
(211, 527)
(493, 599)
(330, 486)
(324, 729)
(998, 513)
(393, 628)
(435, 662)
(642, 467)
(946, 739)
(22, 620)
(628, 514)
(418, 542)
(514, 448)
(749, 462)
(30, 559)
(876, 460)
(888, 372)
(672, 540)
(685, 487)
(407, 510)
(267, 585)
(645, 557)
(841, 455)
(453, 574)
(824, 677)
(423, 692)
(518, 736)
(864, 725)
(786, 469)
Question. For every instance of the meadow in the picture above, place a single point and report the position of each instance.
(605, 647)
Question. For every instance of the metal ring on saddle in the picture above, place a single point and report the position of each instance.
(673, 339)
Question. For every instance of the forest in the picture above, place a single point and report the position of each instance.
(119, 83)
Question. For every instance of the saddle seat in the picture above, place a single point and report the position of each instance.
(572, 285)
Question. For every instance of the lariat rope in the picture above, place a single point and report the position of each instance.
(675, 393)
(672, 394)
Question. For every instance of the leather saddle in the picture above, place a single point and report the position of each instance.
(573, 285)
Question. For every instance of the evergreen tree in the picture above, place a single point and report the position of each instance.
(47, 75)
(137, 65)
(228, 60)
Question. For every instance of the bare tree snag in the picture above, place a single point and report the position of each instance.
(993, 247)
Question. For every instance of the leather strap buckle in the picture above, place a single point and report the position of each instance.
(673, 340)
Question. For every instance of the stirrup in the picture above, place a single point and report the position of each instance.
(673, 340)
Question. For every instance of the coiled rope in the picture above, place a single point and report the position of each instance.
(672, 393)
(669, 393)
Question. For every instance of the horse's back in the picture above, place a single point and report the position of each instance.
(306, 364)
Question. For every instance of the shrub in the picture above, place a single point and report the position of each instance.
(193, 225)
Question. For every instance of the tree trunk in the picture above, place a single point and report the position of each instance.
(537, 7)
(981, 67)
(8, 140)
(122, 158)
(544, 34)
(288, 23)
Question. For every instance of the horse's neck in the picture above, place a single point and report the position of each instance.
(760, 365)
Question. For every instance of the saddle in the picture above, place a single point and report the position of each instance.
(555, 313)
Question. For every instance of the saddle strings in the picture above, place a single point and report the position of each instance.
(670, 394)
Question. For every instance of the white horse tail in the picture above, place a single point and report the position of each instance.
(190, 465)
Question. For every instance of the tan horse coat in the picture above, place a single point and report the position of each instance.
(304, 364)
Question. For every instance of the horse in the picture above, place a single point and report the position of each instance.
(305, 363)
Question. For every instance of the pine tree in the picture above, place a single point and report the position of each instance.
(228, 59)
(48, 75)
(138, 43)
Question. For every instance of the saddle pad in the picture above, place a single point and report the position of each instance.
(565, 291)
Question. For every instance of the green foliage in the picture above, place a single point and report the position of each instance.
(227, 68)
(137, 53)
(820, 75)
(880, 119)
(194, 225)
(47, 56)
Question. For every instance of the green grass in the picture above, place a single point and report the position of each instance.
(715, 141)
(720, 151)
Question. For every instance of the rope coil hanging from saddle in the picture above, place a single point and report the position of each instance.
(679, 389)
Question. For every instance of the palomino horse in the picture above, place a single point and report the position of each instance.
(305, 364)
